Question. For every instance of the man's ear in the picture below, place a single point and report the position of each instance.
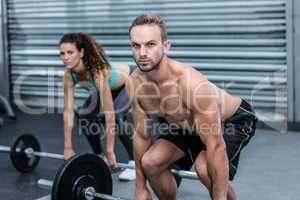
(167, 46)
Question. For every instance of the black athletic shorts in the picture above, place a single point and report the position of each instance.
(237, 132)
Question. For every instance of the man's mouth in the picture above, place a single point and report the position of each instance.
(144, 62)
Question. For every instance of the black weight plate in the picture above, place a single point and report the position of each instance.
(81, 184)
(19, 159)
(1, 122)
(78, 173)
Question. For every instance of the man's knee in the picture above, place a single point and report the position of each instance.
(150, 165)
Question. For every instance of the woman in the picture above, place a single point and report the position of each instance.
(86, 64)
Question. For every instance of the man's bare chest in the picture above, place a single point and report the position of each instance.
(166, 101)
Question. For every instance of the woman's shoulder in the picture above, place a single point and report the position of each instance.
(122, 65)
(67, 78)
(67, 74)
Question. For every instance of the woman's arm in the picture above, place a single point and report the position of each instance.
(68, 115)
(110, 122)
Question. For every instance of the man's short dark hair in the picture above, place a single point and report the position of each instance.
(149, 19)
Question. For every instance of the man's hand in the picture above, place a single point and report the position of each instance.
(142, 194)
(68, 152)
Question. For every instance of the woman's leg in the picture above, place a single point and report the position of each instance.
(125, 131)
(124, 121)
(90, 124)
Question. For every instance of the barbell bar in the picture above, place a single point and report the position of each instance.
(30, 152)
(88, 177)
(89, 193)
(181, 173)
(4, 149)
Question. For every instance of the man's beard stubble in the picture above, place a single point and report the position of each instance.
(154, 67)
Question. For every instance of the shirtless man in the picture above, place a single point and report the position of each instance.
(208, 127)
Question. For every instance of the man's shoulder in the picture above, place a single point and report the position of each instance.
(189, 73)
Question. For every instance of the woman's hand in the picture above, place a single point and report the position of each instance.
(111, 160)
(68, 152)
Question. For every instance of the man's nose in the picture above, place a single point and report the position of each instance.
(143, 51)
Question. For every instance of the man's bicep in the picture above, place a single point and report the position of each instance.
(202, 99)
(140, 121)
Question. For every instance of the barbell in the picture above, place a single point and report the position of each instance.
(25, 153)
(87, 177)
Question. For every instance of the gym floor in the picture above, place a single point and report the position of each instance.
(269, 166)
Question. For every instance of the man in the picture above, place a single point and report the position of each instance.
(193, 107)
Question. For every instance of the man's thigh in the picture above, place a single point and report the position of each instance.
(164, 153)
(190, 144)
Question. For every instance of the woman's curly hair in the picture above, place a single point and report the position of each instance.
(94, 57)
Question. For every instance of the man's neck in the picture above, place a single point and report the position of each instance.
(161, 74)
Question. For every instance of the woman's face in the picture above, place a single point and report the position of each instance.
(70, 55)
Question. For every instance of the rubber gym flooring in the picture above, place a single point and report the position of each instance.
(269, 166)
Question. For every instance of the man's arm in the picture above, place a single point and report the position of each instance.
(141, 142)
(202, 98)
(209, 129)
(141, 135)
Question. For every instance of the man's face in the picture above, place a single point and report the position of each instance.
(147, 46)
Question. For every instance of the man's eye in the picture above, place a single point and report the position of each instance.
(134, 45)
(151, 44)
